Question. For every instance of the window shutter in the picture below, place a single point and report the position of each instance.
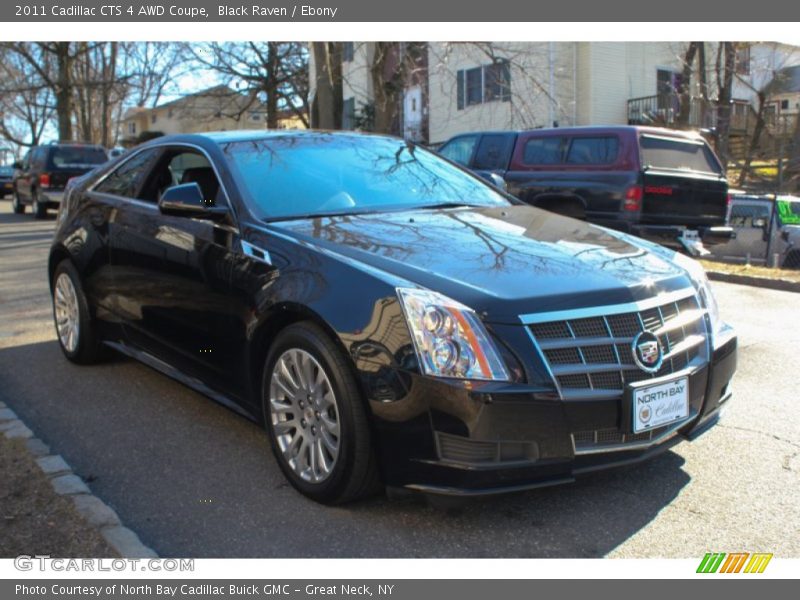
(460, 89)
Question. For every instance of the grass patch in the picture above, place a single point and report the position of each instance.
(36, 520)
(752, 270)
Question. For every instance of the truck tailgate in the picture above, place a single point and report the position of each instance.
(672, 198)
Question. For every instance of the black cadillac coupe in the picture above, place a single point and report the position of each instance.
(390, 318)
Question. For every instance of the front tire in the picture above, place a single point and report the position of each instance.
(315, 417)
(16, 204)
(38, 208)
(75, 327)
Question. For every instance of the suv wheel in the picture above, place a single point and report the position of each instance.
(75, 327)
(38, 208)
(16, 204)
(316, 418)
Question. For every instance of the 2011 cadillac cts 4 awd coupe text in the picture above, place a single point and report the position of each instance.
(388, 316)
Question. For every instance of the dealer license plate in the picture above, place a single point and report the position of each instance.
(660, 404)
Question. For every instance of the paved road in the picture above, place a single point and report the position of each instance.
(194, 479)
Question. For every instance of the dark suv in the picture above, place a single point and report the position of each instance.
(660, 184)
(43, 174)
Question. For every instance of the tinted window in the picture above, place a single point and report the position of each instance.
(593, 150)
(460, 149)
(493, 152)
(749, 215)
(543, 151)
(125, 180)
(77, 156)
(296, 176)
(684, 155)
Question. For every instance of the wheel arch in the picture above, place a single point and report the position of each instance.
(279, 318)
(58, 254)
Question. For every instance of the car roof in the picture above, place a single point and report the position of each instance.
(246, 135)
(595, 129)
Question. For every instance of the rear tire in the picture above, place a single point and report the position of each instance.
(38, 208)
(16, 204)
(75, 327)
(316, 418)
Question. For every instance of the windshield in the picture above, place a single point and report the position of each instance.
(789, 211)
(327, 174)
(676, 154)
(68, 156)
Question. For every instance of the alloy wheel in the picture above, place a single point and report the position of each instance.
(304, 415)
(67, 312)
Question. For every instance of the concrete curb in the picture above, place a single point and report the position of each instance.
(66, 483)
(783, 285)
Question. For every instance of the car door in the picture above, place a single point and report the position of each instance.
(173, 273)
(750, 220)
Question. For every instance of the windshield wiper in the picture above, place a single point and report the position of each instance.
(445, 205)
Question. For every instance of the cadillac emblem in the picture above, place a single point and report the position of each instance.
(647, 353)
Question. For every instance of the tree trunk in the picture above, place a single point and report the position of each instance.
(272, 92)
(387, 84)
(63, 91)
(728, 60)
(685, 88)
(328, 103)
(754, 141)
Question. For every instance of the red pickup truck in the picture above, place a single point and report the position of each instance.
(660, 184)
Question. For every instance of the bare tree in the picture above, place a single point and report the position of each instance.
(272, 73)
(725, 66)
(26, 102)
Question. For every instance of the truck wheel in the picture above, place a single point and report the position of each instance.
(16, 204)
(792, 260)
(38, 208)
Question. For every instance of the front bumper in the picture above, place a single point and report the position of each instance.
(470, 441)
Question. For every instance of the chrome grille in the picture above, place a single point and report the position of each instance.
(604, 439)
(591, 356)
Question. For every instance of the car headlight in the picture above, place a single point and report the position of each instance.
(700, 280)
(449, 338)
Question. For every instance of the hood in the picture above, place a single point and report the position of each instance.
(500, 261)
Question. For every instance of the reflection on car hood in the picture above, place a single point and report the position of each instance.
(501, 261)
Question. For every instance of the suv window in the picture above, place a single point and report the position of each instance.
(749, 215)
(493, 152)
(593, 150)
(676, 154)
(543, 151)
(460, 149)
(126, 179)
(77, 156)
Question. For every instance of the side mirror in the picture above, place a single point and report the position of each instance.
(186, 200)
(497, 181)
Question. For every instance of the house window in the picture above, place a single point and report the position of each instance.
(132, 128)
(255, 116)
(153, 118)
(349, 113)
(487, 83)
(784, 105)
(348, 49)
(743, 60)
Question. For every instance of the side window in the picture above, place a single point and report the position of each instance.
(749, 215)
(593, 150)
(179, 166)
(543, 151)
(38, 158)
(493, 152)
(460, 149)
(127, 178)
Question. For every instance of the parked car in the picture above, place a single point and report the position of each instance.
(41, 176)
(389, 317)
(663, 185)
(766, 226)
(6, 181)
